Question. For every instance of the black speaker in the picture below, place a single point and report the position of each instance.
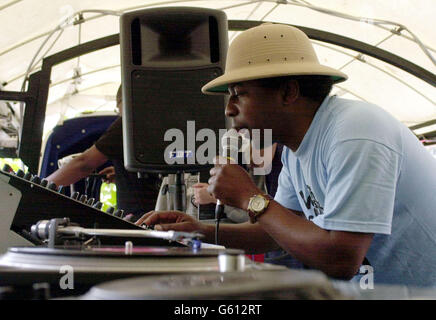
(167, 55)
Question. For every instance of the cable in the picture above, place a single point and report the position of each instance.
(219, 212)
(192, 202)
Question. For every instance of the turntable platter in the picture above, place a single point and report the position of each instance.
(144, 260)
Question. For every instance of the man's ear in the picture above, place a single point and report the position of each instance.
(291, 91)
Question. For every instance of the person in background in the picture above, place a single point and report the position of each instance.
(134, 195)
(363, 181)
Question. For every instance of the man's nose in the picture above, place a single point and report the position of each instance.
(231, 110)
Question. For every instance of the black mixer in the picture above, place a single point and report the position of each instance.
(27, 198)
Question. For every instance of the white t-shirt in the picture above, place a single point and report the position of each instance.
(358, 169)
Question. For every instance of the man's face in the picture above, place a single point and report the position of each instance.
(251, 107)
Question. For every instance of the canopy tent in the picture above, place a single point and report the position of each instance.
(387, 48)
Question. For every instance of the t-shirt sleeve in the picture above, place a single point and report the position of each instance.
(360, 192)
(111, 142)
(286, 194)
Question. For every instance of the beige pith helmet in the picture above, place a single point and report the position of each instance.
(267, 51)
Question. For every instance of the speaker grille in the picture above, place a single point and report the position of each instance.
(163, 100)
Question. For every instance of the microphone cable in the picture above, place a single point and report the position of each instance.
(219, 212)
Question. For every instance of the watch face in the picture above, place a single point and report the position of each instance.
(258, 204)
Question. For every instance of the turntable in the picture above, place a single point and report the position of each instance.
(39, 254)
(249, 285)
(23, 267)
(72, 249)
(114, 260)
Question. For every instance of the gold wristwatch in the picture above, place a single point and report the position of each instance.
(257, 206)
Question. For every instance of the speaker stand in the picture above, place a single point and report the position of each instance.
(177, 190)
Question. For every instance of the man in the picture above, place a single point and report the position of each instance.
(362, 179)
(134, 196)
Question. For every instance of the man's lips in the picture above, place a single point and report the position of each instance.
(240, 128)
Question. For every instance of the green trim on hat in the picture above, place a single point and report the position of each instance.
(219, 89)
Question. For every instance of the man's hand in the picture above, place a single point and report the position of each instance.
(171, 220)
(201, 195)
(232, 185)
(110, 174)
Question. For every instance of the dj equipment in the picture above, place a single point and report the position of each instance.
(289, 284)
(66, 260)
(116, 259)
(21, 268)
(87, 240)
(67, 246)
(250, 285)
(26, 199)
(173, 52)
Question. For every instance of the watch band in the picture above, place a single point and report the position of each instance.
(254, 214)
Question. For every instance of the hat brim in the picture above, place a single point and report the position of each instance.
(220, 85)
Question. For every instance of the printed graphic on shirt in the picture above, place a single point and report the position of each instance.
(311, 201)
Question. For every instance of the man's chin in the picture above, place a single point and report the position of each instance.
(260, 138)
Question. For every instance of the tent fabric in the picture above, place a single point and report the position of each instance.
(32, 30)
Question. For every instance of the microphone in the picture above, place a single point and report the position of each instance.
(231, 144)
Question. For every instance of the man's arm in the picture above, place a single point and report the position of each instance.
(246, 236)
(339, 254)
(79, 167)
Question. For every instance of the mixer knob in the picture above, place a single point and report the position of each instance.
(20, 173)
(44, 183)
(110, 210)
(52, 186)
(28, 176)
(83, 198)
(119, 213)
(90, 201)
(61, 189)
(36, 179)
(98, 205)
(75, 195)
(7, 168)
